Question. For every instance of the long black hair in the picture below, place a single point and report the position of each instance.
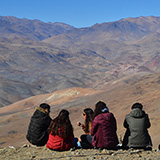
(61, 125)
(89, 118)
(99, 108)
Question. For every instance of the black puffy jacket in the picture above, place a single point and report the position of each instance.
(37, 130)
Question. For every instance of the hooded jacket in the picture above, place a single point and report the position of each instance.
(37, 130)
(104, 131)
(137, 123)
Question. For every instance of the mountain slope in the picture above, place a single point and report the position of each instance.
(128, 29)
(72, 57)
(30, 29)
(118, 95)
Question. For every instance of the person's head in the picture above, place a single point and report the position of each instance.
(61, 124)
(88, 114)
(63, 115)
(88, 117)
(46, 107)
(137, 105)
(100, 107)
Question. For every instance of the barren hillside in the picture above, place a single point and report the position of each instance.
(118, 95)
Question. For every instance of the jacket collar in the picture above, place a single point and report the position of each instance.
(41, 110)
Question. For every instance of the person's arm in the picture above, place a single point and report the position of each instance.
(148, 124)
(125, 124)
(94, 128)
(81, 125)
(114, 121)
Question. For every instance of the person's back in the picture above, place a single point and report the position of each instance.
(104, 128)
(37, 131)
(60, 143)
(137, 123)
(61, 132)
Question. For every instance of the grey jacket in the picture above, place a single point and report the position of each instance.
(137, 123)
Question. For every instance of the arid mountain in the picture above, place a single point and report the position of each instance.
(12, 91)
(54, 56)
(118, 95)
(48, 68)
(11, 27)
(125, 30)
(66, 67)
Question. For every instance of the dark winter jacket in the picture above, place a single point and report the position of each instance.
(137, 123)
(37, 131)
(104, 131)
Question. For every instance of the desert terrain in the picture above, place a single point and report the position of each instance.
(73, 68)
(118, 95)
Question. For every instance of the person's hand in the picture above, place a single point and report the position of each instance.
(79, 123)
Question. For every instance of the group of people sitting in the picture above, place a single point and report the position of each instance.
(99, 129)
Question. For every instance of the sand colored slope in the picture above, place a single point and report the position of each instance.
(118, 95)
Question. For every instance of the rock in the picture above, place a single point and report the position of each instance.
(12, 147)
(40, 153)
(135, 152)
(72, 149)
(104, 151)
(33, 156)
(25, 145)
(77, 153)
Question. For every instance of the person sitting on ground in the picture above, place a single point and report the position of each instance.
(85, 140)
(37, 131)
(136, 123)
(61, 135)
(104, 128)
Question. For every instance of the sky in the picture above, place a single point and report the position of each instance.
(79, 13)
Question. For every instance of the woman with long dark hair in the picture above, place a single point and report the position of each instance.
(88, 118)
(85, 140)
(104, 128)
(61, 135)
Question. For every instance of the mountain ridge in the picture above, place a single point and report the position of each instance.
(73, 68)
(30, 29)
(76, 57)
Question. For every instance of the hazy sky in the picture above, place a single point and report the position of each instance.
(79, 13)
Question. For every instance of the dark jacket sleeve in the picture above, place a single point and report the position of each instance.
(125, 124)
(148, 124)
(114, 122)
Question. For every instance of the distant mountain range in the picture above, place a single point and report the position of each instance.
(38, 57)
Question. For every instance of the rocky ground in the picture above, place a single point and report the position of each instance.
(27, 152)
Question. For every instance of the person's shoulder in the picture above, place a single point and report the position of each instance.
(98, 117)
(103, 116)
(146, 115)
(127, 116)
(109, 114)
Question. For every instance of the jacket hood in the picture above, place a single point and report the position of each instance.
(40, 113)
(137, 113)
